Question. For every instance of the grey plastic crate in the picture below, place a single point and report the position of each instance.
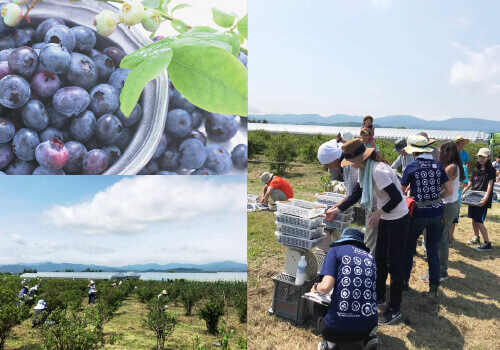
(473, 198)
(300, 208)
(287, 298)
(337, 225)
(330, 198)
(298, 221)
(301, 232)
(296, 242)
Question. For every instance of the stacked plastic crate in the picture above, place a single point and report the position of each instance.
(330, 199)
(299, 226)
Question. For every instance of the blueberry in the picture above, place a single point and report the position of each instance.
(169, 160)
(124, 140)
(77, 152)
(164, 172)
(31, 32)
(161, 148)
(108, 129)
(84, 38)
(118, 77)
(4, 54)
(38, 46)
(203, 171)
(41, 170)
(239, 156)
(21, 37)
(178, 123)
(66, 134)
(115, 54)
(20, 167)
(243, 58)
(93, 143)
(60, 34)
(56, 119)
(178, 101)
(24, 144)
(221, 127)
(150, 169)
(218, 159)
(112, 153)
(133, 118)
(6, 43)
(24, 61)
(82, 126)
(51, 133)
(196, 134)
(35, 116)
(55, 58)
(4, 69)
(104, 99)
(192, 154)
(93, 53)
(105, 66)
(45, 83)
(44, 27)
(197, 118)
(95, 162)
(7, 130)
(82, 72)
(71, 100)
(6, 154)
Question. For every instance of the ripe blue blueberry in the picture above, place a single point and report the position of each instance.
(105, 66)
(95, 162)
(56, 119)
(108, 129)
(55, 58)
(104, 99)
(6, 154)
(112, 153)
(239, 155)
(118, 77)
(178, 123)
(60, 34)
(4, 54)
(77, 152)
(24, 61)
(71, 100)
(196, 134)
(21, 37)
(51, 133)
(169, 160)
(44, 27)
(161, 148)
(15, 91)
(115, 54)
(41, 170)
(45, 83)
(124, 140)
(82, 126)
(84, 38)
(35, 116)
(24, 143)
(243, 58)
(4, 69)
(203, 171)
(82, 72)
(6, 43)
(20, 167)
(150, 169)
(221, 127)
(196, 118)
(178, 101)
(7, 130)
(192, 154)
(133, 118)
(218, 159)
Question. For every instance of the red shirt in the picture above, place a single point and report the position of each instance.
(283, 185)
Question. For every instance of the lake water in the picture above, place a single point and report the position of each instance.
(147, 276)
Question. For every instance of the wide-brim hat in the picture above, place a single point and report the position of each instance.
(164, 292)
(355, 152)
(399, 145)
(41, 305)
(418, 144)
(350, 234)
(429, 141)
(92, 282)
(461, 138)
(266, 177)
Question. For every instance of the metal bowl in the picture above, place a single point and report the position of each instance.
(154, 100)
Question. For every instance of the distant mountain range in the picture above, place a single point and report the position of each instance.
(222, 266)
(392, 121)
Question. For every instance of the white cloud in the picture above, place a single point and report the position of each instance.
(17, 239)
(380, 3)
(134, 204)
(479, 71)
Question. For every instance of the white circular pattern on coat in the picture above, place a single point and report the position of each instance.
(357, 260)
(368, 283)
(426, 189)
(431, 173)
(367, 294)
(427, 196)
(418, 182)
(419, 189)
(346, 270)
(368, 262)
(368, 272)
(432, 181)
(425, 182)
(345, 281)
(356, 294)
(346, 259)
(358, 270)
(357, 281)
(417, 176)
(438, 181)
(419, 196)
(343, 305)
(438, 173)
(423, 173)
(375, 296)
(344, 293)
(355, 306)
(374, 308)
(366, 309)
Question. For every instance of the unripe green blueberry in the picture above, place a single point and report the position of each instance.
(131, 13)
(12, 14)
(105, 22)
(21, 2)
(151, 21)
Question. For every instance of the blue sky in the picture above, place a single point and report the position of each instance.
(431, 59)
(114, 220)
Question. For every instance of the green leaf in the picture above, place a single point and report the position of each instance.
(211, 78)
(140, 75)
(179, 26)
(234, 41)
(180, 6)
(145, 53)
(203, 36)
(242, 26)
(242, 39)
(223, 19)
(154, 4)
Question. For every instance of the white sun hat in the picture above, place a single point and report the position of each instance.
(41, 305)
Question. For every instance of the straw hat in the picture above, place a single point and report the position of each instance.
(418, 144)
(41, 305)
(485, 152)
(355, 152)
(429, 141)
(461, 138)
(329, 152)
(367, 117)
(266, 177)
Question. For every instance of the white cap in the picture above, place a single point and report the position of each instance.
(41, 305)
(346, 135)
(329, 152)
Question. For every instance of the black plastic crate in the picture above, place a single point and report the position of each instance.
(287, 298)
(359, 216)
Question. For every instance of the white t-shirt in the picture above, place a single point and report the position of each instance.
(383, 176)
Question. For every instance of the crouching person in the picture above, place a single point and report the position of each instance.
(350, 271)
(40, 316)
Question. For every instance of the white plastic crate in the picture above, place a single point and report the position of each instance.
(329, 198)
(297, 231)
(298, 221)
(300, 208)
(337, 225)
(297, 242)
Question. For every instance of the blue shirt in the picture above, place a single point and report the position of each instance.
(466, 181)
(425, 176)
(354, 300)
(464, 156)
